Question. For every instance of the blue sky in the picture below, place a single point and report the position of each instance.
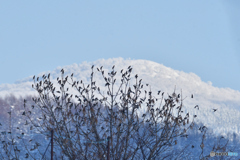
(202, 37)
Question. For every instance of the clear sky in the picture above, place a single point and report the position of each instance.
(202, 37)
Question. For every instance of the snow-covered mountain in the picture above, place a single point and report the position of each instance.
(159, 77)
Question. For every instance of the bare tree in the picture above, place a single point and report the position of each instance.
(85, 120)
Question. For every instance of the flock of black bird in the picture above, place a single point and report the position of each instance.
(214, 110)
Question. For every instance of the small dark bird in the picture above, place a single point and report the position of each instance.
(178, 95)
(16, 149)
(195, 116)
(197, 107)
(62, 71)
(113, 66)
(214, 110)
(192, 96)
(26, 123)
(27, 155)
(192, 146)
(24, 113)
(159, 92)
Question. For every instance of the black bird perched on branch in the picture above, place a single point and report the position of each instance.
(62, 71)
(214, 110)
(26, 155)
(178, 96)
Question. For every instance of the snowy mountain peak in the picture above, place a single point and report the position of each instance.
(160, 77)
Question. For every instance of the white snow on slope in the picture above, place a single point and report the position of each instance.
(225, 100)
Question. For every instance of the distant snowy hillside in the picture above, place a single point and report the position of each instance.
(159, 77)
